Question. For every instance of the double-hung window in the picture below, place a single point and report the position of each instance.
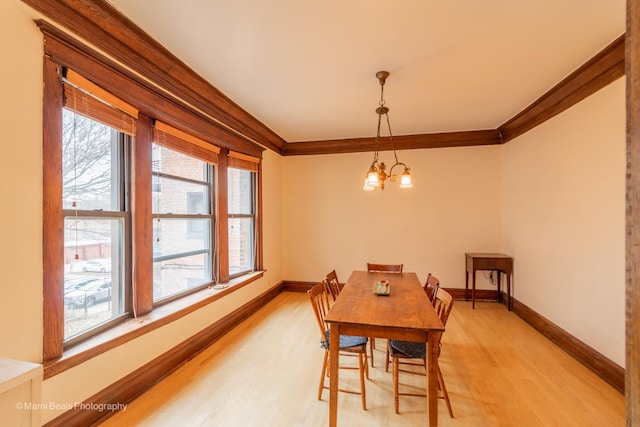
(96, 138)
(242, 180)
(183, 210)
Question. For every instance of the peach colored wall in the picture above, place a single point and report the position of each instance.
(330, 222)
(20, 184)
(564, 219)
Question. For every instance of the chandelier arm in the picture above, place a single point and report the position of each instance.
(391, 175)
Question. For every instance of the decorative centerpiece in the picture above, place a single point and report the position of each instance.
(382, 288)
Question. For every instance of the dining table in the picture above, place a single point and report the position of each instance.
(401, 311)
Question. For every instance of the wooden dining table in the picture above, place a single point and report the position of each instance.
(404, 314)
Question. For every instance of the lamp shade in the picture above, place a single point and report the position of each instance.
(373, 180)
(405, 179)
(367, 187)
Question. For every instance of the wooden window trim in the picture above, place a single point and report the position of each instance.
(53, 220)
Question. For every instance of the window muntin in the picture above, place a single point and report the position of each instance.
(95, 292)
(242, 229)
(183, 254)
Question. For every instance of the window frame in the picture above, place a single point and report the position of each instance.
(253, 216)
(210, 184)
(61, 50)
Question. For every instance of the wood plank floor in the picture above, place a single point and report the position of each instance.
(498, 370)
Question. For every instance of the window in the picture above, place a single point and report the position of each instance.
(95, 218)
(131, 218)
(183, 257)
(242, 208)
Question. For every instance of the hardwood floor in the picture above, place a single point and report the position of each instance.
(498, 370)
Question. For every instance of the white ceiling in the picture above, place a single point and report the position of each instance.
(306, 69)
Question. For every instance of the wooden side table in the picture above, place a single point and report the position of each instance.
(488, 261)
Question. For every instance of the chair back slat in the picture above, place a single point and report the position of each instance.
(320, 304)
(443, 304)
(333, 285)
(431, 287)
(384, 268)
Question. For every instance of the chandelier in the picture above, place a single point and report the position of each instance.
(377, 173)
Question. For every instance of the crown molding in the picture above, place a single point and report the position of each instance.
(401, 142)
(605, 67)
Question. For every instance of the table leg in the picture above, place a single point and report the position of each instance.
(473, 289)
(432, 377)
(334, 354)
(499, 274)
(466, 285)
(509, 304)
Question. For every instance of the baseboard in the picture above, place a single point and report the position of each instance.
(293, 286)
(599, 364)
(481, 294)
(143, 378)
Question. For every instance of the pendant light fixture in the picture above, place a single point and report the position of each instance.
(377, 173)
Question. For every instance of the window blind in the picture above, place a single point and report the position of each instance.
(175, 139)
(243, 161)
(90, 100)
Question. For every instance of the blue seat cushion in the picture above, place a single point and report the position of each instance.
(411, 349)
(346, 341)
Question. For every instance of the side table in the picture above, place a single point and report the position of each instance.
(488, 261)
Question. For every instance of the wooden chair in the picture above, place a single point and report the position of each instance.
(431, 287)
(405, 350)
(384, 268)
(381, 268)
(349, 345)
(333, 285)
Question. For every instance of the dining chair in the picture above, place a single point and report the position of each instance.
(403, 351)
(431, 286)
(349, 345)
(381, 268)
(333, 285)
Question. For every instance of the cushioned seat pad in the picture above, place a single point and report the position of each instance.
(346, 341)
(411, 349)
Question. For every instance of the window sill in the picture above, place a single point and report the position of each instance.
(133, 328)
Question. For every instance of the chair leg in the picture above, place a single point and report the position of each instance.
(396, 396)
(362, 365)
(366, 364)
(444, 391)
(323, 374)
(386, 361)
(372, 345)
